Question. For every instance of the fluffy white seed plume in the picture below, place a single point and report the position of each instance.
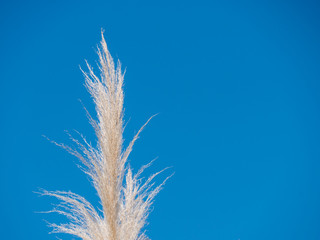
(125, 198)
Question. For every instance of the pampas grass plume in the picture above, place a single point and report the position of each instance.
(125, 197)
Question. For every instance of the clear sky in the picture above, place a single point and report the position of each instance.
(235, 83)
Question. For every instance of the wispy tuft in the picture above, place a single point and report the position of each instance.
(125, 197)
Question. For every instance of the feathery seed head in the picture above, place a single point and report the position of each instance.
(125, 198)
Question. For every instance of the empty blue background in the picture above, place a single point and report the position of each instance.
(235, 83)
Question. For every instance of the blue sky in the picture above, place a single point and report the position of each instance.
(235, 83)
